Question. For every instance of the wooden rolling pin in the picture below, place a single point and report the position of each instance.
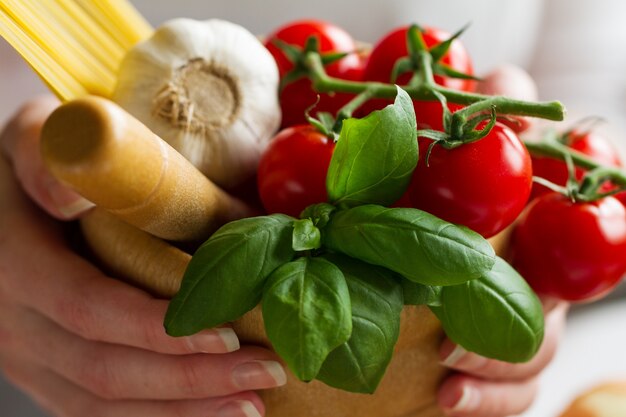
(113, 160)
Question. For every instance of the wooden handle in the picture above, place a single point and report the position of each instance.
(146, 261)
(116, 162)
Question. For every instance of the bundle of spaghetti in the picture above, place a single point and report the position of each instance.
(75, 46)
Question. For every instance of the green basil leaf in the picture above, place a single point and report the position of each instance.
(226, 275)
(306, 310)
(319, 213)
(375, 156)
(359, 364)
(411, 242)
(417, 294)
(305, 235)
(496, 315)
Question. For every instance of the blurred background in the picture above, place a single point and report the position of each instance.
(575, 50)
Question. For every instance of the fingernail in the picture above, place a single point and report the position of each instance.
(220, 340)
(452, 354)
(259, 374)
(467, 400)
(239, 408)
(66, 201)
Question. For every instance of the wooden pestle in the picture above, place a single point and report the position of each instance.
(113, 160)
(144, 260)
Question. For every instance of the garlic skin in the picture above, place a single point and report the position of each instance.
(207, 88)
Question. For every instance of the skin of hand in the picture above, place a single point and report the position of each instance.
(82, 343)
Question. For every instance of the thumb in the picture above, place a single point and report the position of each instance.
(20, 142)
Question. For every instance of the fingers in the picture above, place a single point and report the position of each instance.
(20, 142)
(64, 399)
(457, 358)
(466, 396)
(118, 372)
(489, 388)
(76, 295)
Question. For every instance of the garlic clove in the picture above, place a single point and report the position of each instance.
(207, 88)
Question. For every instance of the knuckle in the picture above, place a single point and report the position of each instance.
(76, 316)
(190, 380)
(99, 377)
(153, 336)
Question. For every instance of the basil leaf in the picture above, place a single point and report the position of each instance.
(359, 364)
(417, 294)
(496, 315)
(375, 156)
(305, 235)
(226, 275)
(411, 242)
(306, 310)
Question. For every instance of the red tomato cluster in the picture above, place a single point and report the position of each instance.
(289, 178)
(572, 251)
(589, 143)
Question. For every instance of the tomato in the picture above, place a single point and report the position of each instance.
(292, 171)
(589, 143)
(380, 63)
(573, 251)
(393, 46)
(298, 96)
(483, 185)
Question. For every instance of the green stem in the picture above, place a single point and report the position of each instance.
(593, 180)
(423, 90)
(349, 108)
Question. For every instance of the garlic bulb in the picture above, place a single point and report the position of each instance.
(207, 88)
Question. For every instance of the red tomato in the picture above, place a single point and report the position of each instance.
(592, 144)
(292, 171)
(297, 97)
(483, 185)
(393, 46)
(573, 251)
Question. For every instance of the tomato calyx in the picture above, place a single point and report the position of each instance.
(297, 55)
(417, 49)
(460, 130)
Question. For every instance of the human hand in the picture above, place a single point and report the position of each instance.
(80, 342)
(481, 387)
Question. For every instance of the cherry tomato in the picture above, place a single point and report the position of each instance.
(292, 171)
(483, 185)
(298, 96)
(392, 47)
(573, 251)
(590, 143)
